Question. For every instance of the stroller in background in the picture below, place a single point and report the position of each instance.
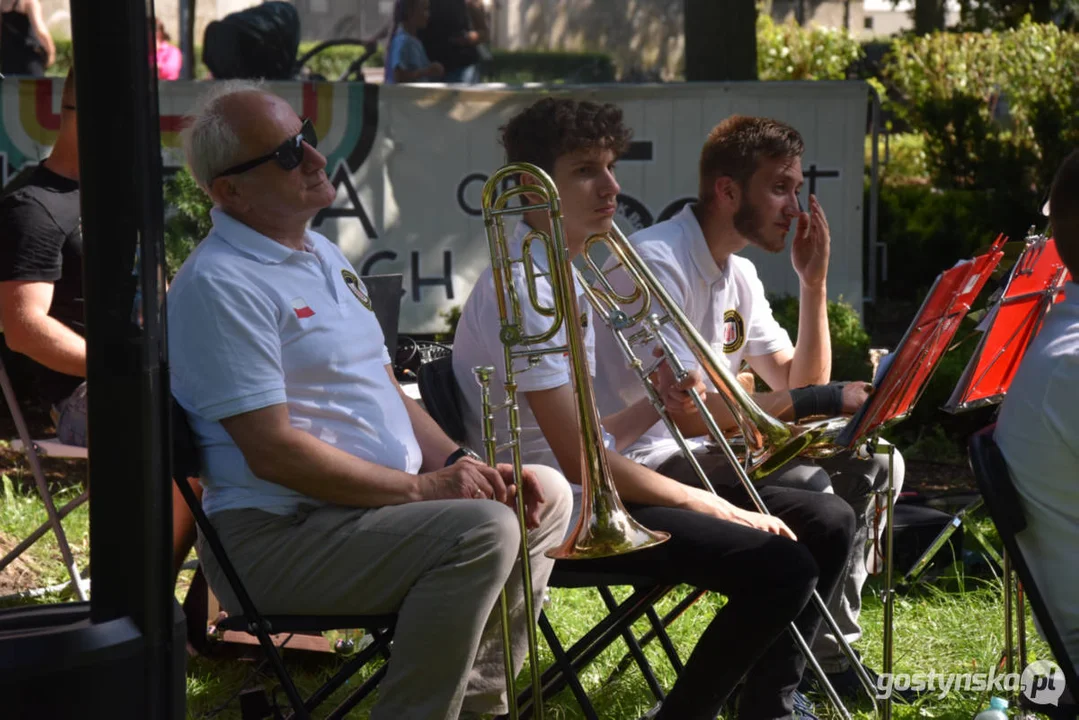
(262, 42)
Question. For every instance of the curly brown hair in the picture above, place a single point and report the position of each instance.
(1064, 212)
(552, 127)
(736, 146)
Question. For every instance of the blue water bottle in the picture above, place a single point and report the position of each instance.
(997, 710)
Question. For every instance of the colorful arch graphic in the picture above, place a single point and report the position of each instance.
(345, 116)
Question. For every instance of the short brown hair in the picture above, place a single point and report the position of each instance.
(552, 127)
(736, 146)
(1064, 212)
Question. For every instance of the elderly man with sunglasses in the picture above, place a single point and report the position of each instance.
(333, 492)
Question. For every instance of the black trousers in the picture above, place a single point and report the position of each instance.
(767, 580)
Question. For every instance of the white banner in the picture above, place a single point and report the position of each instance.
(409, 162)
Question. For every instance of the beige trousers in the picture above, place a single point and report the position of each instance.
(439, 565)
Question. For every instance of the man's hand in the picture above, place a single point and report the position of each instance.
(748, 381)
(470, 479)
(435, 71)
(465, 479)
(706, 502)
(854, 396)
(533, 494)
(675, 393)
(811, 246)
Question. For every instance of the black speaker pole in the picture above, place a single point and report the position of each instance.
(187, 38)
(123, 657)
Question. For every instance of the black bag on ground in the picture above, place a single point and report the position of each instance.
(916, 527)
(260, 42)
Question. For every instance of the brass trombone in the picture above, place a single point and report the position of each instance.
(604, 527)
(770, 443)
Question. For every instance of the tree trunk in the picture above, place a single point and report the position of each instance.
(928, 16)
(721, 40)
(1042, 12)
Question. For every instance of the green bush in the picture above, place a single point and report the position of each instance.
(996, 109)
(906, 161)
(925, 230)
(332, 62)
(187, 218)
(515, 67)
(850, 342)
(787, 51)
(63, 58)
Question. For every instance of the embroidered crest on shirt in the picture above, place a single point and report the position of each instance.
(734, 331)
(353, 283)
(301, 308)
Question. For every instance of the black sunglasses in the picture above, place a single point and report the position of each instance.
(288, 154)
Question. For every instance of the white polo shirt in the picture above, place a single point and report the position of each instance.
(477, 343)
(1038, 434)
(253, 323)
(727, 305)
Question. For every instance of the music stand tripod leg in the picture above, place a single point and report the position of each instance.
(888, 592)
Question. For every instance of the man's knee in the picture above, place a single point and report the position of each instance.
(491, 535)
(802, 476)
(898, 468)
(789, 573)
(836, 520)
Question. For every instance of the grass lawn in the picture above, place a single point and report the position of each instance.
(954, 625)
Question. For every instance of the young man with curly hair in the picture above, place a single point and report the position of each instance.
(766, 571)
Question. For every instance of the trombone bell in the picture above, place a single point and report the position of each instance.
(605, 531)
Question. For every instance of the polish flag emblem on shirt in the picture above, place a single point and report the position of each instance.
(300, 307)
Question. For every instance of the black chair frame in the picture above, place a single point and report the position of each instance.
(381, 627)
(441, 396)
(1003, 502)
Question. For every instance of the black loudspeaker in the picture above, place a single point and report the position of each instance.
(56, 663)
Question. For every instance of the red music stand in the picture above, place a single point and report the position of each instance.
(1036, 283)
(927, 338)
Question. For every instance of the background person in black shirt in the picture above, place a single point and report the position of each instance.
(41, 300)
(451, 39)
(26, 48)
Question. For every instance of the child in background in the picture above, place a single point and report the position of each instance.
(406, 60)
(169, 58)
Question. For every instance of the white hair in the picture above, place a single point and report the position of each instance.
(210, 142)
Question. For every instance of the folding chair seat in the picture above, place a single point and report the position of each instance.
(441, 396)
(34, 449)
(1004, 505)
(380, 627)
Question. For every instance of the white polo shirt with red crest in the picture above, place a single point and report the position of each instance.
(253, 323)
(727, 306)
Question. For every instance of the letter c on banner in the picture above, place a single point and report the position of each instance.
(379, 256)
(462, 188)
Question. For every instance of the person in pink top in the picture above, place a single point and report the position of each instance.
(169, 58)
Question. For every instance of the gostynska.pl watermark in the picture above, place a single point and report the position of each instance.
(1042, 682)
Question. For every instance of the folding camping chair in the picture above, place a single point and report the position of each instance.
(380, 627)
(441, 397)
(34, 449)
(1002, 500)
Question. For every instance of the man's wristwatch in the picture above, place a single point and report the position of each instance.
(460, 453)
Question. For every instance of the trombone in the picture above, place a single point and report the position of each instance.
(603, 527)
(769, 443)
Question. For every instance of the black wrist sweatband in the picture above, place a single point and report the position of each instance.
(813, 400)
(460, 453)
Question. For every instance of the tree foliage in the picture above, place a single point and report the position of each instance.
(787, 51)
